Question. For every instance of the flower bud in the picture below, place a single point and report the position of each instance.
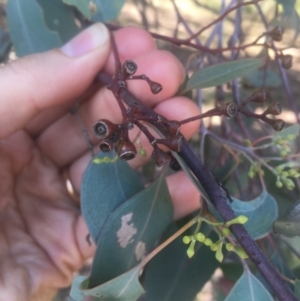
(289, 184)
(213, 247)
(240, 251)
(129, 67)
(273, 109)
(279, 184)
(219, 253)
(103, 128)
(200, 237)
(229, 246)
(276, 33)
(186, 240)
(191, 250)
(207, 241)
(241, 219)
(226, 231)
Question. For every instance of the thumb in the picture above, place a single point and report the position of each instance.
(34, 83)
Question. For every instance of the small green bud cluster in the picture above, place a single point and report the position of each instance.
(216, 246)
(283, 144)
(142, 152)
(254, 169)
(285, 174)
(247, 142)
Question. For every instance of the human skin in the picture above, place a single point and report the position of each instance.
(42, 232)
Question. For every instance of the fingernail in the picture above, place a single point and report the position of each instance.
(91, 38)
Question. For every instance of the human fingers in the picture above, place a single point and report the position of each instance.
(41, 81)
(64, 142)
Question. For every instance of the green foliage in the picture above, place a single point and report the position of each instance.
(131, 231)
(248, 288)
(260, 77)
(28, 30)
(59, 18)
(105, 186)
(289, 224)
(297, 288)
(261, 212)
(126, 287)
(126, 220)
(221, 73)
(97, 10)
(172, 276)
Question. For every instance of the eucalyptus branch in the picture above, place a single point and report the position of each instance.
(217, 196)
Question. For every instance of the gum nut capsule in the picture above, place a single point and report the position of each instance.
(129, 67)
(103, 128)
(126, 150)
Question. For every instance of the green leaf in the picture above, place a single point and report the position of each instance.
(261, 212)
(291, 130)
(5, 45)
(297, 288)
(98, 10)
(191, 176)
(262, 78)
(105, 186)
(232, 270)
(289, 225)
(107, 10)
(248, 288)
(132, 231)
(126, 287)
(27, 27)
(59, 18)
(288, 5)
(172, 276)
(82, 6)
(222, 73)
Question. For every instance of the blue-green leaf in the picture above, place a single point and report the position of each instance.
(289, 225)
(5, 45)
(297, 288)
(59, 18)
(27, 27)
(222, 73)
(172, 276)
(288, 5)
(261, 212)
(248, 288)
(262, 78)
(98, 10)
(131, 232)
(191, 176)
(126, 287)
(106, 184)
(291, 130)
(107, 10)
(82, 6)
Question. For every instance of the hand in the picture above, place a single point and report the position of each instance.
(42, 232)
